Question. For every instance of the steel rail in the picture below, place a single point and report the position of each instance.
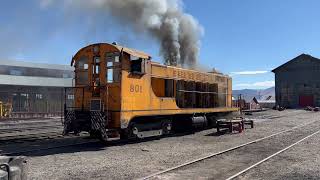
(33, 134)
(24, 139)
(15, 130)
(94, 141)
(221, 152)
(271, 156)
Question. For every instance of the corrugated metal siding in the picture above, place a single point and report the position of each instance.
(35, 65)
(35, 81)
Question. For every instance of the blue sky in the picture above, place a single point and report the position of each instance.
(245, 39)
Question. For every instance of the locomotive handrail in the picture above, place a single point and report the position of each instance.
(70, 107)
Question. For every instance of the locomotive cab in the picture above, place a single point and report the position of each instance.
(97, 87)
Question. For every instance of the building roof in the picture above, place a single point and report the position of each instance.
(269, 99)
(35, 81)
(266, 101)
(298, 58)
(35, 65)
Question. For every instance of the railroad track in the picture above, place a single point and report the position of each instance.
(85, 143)
(29, 131)
(26, 151)
(280, 116)
(29, 122)
(29, 137)
(41, 141)
(209, 165)
(89, 142)
(31, 128)
(12, 136)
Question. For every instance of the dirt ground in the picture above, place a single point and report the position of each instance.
(134, 160)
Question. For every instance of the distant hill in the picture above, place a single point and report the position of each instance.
(249, 94)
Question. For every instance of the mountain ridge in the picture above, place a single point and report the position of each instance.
(249, 94)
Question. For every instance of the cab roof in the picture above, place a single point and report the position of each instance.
(130, 51)
(133, 52)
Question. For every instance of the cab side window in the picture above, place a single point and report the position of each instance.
(137, 65)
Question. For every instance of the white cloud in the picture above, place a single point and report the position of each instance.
(262, 84)
(249, 72)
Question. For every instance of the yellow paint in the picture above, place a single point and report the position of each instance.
(157, 85)
(133, 95)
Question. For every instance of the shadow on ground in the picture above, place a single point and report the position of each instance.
(61, 146)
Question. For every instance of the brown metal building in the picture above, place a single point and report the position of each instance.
(297, 82)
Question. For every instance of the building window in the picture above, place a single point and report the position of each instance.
(70, 96)
(15, 72)
(24, 95)
(38, 96)
(65, 75)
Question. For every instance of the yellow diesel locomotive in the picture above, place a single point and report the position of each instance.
(120, 91)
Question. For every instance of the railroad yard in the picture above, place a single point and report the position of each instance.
(200, 155)
(161, 89)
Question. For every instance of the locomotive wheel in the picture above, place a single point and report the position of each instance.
(103, 138)
(133, 131)
(95, 134)
(124, 134)
(166, 127)
(130, 132)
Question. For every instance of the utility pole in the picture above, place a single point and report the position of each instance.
(240, 103)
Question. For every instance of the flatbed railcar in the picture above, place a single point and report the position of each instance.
(120, 91)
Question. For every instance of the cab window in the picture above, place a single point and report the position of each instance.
(137, 65)
(82, 71)
(82, 63)
(113, 67)
(96, 71)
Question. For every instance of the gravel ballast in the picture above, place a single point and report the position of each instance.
(134, 160)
